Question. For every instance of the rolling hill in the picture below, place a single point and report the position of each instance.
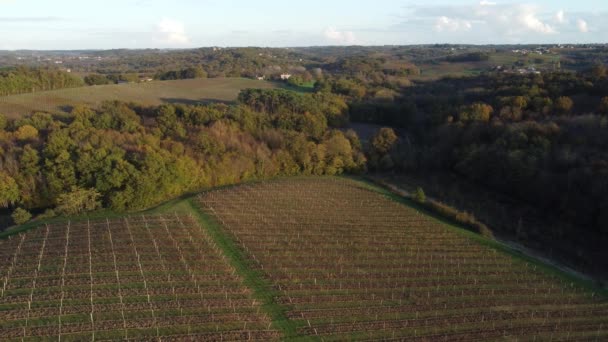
(151, 93)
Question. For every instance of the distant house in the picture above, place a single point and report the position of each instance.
(285, 77)
(146, 79)
(260, 78)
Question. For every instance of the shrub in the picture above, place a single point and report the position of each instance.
(49, 213)
(419, 195)
(21, 216)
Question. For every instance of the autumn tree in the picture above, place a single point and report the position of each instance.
(26, 132)
(384, 140)
(476, 112)
(9, 191)
(78, 200)
(563, 105)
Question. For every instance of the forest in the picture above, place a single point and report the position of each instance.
(130, 157)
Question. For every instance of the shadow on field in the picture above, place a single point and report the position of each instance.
(66, 108)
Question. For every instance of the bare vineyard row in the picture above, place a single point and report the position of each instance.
(143, 277)
(351, 263)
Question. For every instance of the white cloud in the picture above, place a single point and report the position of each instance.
(527, 17)
(582, 26)
(508, 20)
(444, 23)
(172, 32)
(560, 17)
(339, 37)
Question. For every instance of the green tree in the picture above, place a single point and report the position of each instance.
(77, 201)
(96, 79)
(9, 190)
(21, 216)
(168, 121)
(419, 195)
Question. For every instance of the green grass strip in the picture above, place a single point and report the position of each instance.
(252, 278)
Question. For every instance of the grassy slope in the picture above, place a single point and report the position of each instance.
(151, 93)
(255, 279)
(460, 69)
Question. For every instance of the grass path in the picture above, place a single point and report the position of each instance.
(252, 278)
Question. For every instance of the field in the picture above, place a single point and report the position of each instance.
(151, 93)
(439, 69)
(293, 259)
(350, 263)
(141, 278)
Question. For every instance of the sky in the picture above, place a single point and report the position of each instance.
(108, 24)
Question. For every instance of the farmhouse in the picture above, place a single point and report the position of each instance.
(285, 77)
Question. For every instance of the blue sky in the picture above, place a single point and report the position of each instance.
(71, 24)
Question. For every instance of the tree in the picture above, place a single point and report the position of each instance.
(322, 87)
(604, 105)
(419, 195)
(384, 140)
(599, 70)
(563, 105)
(196, 72)
(9, 190)
(21, 216)
(168, 122)
(26, 132)
(96, 79)
(77, 201)
(476, 112)
(3, 121)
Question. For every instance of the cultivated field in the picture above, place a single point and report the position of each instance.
(350, 263)
(151, 93)
(141, 278)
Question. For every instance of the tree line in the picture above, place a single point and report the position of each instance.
(24, 79)
(125, 157)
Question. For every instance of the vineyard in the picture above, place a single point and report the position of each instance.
(155, 277)
(350, 263)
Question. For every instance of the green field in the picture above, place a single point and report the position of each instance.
(152, 93)
(301, 258)
(439, 69)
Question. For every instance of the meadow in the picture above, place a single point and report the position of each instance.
(190, 91)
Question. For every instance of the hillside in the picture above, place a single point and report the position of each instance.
(189, 91)
(328, 258)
